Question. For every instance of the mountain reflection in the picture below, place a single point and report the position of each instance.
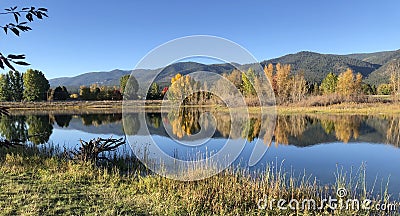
(298, 130)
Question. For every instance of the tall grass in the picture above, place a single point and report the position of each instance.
(40, 182)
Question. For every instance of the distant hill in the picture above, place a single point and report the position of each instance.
(382, 74)
(112, 78)
(379, 58)
(102, 78)
(385, 59)
(315, 66)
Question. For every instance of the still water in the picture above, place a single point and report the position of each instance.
(315, 144)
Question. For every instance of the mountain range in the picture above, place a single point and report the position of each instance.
(373, 67)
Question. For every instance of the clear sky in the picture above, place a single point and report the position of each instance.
(92, 35)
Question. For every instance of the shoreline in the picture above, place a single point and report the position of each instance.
(116, 106)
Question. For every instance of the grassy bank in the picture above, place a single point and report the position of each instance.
(33, 182)
(72, 107)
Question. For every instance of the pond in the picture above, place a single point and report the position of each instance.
(317, 144)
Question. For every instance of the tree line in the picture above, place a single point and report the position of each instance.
(287, 86)
(34, 86)
(29, 86)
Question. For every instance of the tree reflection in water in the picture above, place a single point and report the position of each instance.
(299, 130)
(291, 129)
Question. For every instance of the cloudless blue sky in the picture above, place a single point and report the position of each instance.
(91, 35)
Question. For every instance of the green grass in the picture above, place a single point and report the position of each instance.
(34, 182)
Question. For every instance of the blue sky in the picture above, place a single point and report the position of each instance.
(89, 35)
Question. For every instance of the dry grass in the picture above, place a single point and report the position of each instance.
(33, 182)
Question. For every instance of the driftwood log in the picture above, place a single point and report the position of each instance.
(92, 149)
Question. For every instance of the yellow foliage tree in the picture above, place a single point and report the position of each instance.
(269, 72)
(282, 82)
(182, 89)
(348, 84)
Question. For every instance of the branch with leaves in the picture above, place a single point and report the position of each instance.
(25, 14)
(16, 59)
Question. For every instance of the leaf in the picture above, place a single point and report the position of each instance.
(22, 63)
(16, 32)
(7, 63)
(29, 17)
(16, 17)
(39, 15)
(7, 9)
(5, 29)
(1, 64)
(25, 8)
(13, 8)
(23, 28)
(43, 9)
(11, 56)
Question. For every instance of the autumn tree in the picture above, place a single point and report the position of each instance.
(329, 84)
(394, 70)
(36, 85)
(384, 89)
(182, 89)
(235, 77)
(287, 87)
(282, 82)
(348, 84)
(269, 72)
(358, 84)
(298, 85)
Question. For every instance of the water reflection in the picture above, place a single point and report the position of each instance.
(298, 130)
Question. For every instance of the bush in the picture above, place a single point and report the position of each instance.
(384, 89)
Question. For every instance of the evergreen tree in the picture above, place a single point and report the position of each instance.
(4, 88)
(36, 85)
(16, 85)
(129, 87)
(154, 92)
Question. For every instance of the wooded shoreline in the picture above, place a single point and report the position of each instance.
(116, 106)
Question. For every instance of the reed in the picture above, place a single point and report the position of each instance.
(40, 181)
